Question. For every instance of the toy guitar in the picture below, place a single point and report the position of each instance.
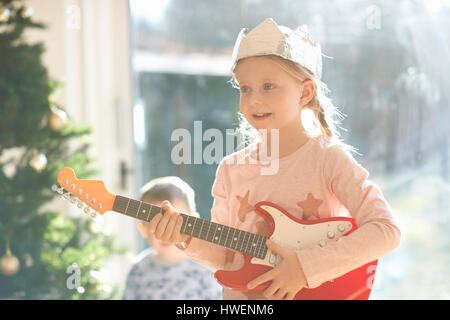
(285, 230)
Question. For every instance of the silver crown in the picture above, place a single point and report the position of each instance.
(268, 38)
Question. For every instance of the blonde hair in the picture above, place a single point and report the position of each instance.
(169, 188)
(326, 116)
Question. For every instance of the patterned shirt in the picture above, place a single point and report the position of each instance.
(187, 280)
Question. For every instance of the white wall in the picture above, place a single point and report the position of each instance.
(87, 48)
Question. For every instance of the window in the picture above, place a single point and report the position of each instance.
(386, 64)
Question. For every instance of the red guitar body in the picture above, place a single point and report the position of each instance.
(294, 233)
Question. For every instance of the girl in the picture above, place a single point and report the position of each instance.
(277, 71)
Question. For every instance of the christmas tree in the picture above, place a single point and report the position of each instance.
(43, 254)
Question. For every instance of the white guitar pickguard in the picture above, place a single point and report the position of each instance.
(295, 236)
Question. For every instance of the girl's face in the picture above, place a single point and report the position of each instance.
(270, 98)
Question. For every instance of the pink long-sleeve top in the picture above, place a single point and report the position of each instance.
(318, 180)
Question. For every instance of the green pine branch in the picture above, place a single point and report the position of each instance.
(46, 243)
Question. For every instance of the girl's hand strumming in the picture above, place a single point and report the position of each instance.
(287, 277)
(167, 227)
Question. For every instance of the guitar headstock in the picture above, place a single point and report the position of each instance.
(89, 195)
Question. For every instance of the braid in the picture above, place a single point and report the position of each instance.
(321, 117)
(323, 123)
(324, 111)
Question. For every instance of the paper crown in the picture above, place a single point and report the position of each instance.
(268, 38)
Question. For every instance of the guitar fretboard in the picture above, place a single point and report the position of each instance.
(231, 238)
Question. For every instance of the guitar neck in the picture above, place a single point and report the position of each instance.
(231, 238)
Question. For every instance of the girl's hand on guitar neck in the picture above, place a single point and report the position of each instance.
(167, 227)
(287, 277)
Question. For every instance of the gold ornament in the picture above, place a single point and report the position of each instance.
(5, 13)
(26, 12)
(57, 119)
(39, 161)
(9, 264)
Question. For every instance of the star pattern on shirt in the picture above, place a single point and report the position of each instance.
(262, 228)
(244, 206)
(310, 207)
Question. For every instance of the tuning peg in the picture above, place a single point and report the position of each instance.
(66, 196)
(54, 187)
(73, 200)
(79, 204)
(90, 212)
(60, 190)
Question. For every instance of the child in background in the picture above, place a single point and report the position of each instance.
(164, 272)
(277, 71)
